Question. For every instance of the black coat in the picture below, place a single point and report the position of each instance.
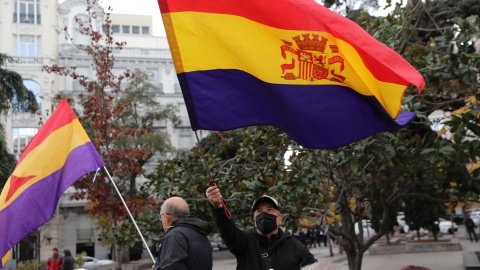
(68, 263)
(185, 246)
(286, 252)
(470, 225)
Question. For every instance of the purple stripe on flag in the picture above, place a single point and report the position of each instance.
(37, 204)
(316, 116)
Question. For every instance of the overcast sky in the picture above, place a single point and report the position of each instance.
(150, 7)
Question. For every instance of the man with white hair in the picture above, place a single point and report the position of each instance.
(185, 245)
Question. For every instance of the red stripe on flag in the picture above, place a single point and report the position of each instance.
(16, 183)
(65, 116)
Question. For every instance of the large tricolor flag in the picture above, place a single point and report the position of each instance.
(58, 155)
(293, 64)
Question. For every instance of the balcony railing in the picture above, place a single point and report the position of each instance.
(84, 234)
(162, 53)
(33, 60)
(125, 52)
(27, 60)
(26, 18)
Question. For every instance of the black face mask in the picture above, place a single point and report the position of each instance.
(266, 223)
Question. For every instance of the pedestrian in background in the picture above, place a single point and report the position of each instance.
(323, 238)
(55, 262)
(301, 237)
(68, 260)
(470, 225)
(309, 238)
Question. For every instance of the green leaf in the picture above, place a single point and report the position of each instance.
(427, 151)
(459, 134)
(446, 150)
(354, 166)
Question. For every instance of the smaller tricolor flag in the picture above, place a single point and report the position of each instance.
(59, 154)
(293, 64)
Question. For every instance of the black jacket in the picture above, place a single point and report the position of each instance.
(68, 263)
(469, 224)
(185, 246)
(285, 252)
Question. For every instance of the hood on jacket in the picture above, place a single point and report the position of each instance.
(192, 222)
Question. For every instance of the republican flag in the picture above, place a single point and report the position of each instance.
(293, 64)
(55, 158)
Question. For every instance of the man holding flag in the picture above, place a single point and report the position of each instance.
(59, 154)
(266, 247)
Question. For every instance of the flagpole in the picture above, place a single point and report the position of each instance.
(204, 159)
(130, 214)
(212, 182)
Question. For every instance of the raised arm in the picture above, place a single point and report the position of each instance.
(235, 238)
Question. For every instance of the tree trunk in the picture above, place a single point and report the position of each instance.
(126, 254)
(354, 258)
(118, 257)
(330, 245)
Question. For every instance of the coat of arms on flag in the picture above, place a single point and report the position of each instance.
(313, 60)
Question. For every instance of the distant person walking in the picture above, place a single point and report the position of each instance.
(55, 261)
(68, 261)
(470, 225)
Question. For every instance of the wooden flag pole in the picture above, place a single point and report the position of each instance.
(130, 214)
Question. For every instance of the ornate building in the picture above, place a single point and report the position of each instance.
(30, 32)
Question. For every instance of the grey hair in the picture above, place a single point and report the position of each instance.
(318, 266)
(175, 212)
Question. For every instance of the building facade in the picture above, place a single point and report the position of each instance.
(31, 33)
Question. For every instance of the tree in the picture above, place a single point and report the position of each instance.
(346, 6)
(439, 38)
(12, 93)
(120, 125)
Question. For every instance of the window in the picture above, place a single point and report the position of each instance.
(82, 71)
(27, 46)
(79, 38)
(32, 86)
(135, 30)
(126, 29)
(116, 29)
(185, 142)
(183, 114)
(105, 28)
(26, 11)
(177, 88)
(85, 234)
(152, 73)
(145, 30)
(21, 138)
(118, 71)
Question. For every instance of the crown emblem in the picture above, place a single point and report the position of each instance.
(308, 44)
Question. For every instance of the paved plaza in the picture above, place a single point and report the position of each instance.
(451, 260)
